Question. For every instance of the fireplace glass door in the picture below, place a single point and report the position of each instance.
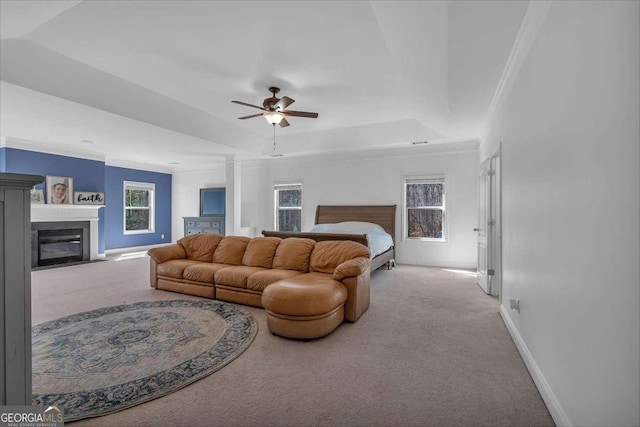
(59, 246)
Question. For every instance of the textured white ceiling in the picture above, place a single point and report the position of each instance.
(153, 80)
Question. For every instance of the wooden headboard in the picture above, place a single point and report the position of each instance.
(383, 215)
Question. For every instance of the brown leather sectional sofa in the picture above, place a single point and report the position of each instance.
(307, 288)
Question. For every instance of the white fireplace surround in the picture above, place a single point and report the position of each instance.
(58, 213)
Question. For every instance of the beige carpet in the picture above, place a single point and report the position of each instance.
(431, 350)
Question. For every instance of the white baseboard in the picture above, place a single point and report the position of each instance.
(133, 249)
(555, 409)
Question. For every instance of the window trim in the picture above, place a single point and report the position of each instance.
(147, 186)
(426, 179)
(277, 186)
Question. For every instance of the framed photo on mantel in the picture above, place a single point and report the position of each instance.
(37, 196)
(88, 198)
(59, 190)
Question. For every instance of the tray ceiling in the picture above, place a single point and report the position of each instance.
(152, 81)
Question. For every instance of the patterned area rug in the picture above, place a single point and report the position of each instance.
(102, 361)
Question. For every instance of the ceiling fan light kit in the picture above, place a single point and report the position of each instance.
(273, 117)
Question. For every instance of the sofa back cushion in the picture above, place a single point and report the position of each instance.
(293, 254)
(260, 252)
(230, 250)
(200, 247)
(326, 256)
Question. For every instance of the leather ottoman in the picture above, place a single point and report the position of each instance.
(306, 306)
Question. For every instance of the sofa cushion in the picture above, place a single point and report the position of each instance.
(175, 267)
(260, 251)
(305, 295)
(200, 247)
(230, 250)
(260, 280)
(202, 272)
(235, 276)
(326, 256)
(293, 254)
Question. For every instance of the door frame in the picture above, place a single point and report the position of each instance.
(496, 215)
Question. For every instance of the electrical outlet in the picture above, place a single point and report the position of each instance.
(515, 304)
(162, 236)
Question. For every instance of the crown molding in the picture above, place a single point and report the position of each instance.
(213, 167)
(40, 147)
(432, 149)
(127, 164)
(22, 144)
(533, 20)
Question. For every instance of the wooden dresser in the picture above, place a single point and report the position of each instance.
(204, 224)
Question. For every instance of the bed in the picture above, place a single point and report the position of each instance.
(383, 215)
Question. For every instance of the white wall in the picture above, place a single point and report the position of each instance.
(186, 195)
(375, 178)
(570, 154)
(257, 197)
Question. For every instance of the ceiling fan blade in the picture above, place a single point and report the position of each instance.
(251, 116)
(300, 114)
(284, 102)
(284, 123)
(248, 105)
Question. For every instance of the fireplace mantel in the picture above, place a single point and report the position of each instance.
(49, 213)
(41, 213)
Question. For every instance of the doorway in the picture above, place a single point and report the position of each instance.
(490, 225)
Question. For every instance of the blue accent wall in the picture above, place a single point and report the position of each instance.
(115, 178)
(3, 162)
(92, 175)
(88, 175)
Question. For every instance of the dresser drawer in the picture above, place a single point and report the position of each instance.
(199, 225)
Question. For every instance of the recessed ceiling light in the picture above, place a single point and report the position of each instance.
(419, 142)
(86, 141)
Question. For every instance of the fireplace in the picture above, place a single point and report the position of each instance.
(59, 246)
(61, 242)
(66, 217)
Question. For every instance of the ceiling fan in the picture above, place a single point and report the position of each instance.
(274, 109)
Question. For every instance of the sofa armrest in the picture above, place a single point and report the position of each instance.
(352, 268)
(166, 253)
(358, 295)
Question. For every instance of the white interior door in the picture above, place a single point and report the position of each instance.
(484, 224)
(496, 227)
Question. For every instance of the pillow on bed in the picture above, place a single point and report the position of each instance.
(350, 227)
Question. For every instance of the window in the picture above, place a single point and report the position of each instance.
(424, 203)
(139, 202)
(288, 202)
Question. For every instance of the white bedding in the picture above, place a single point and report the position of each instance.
(379, 240)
